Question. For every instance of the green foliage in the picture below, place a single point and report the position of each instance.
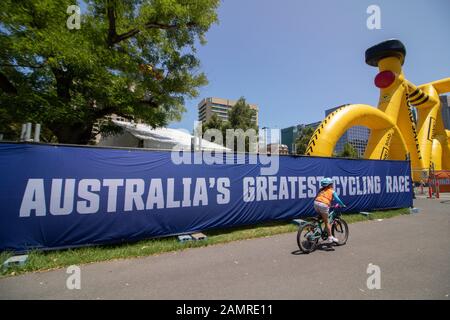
(303, 138)
(131, 58)
(108, 128)
(213, 123)
(240, 116)
(348, 152)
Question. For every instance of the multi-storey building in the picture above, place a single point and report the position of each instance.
(209, 106)
(290, 134)
(445, 102)
(357, 136)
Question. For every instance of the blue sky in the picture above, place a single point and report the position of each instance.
(296, 58)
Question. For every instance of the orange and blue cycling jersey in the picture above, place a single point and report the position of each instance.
(326, 195)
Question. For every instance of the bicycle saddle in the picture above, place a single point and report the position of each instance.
(388, 48)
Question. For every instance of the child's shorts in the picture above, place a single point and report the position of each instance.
(321, 207)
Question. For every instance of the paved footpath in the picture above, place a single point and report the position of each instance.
(412, 251)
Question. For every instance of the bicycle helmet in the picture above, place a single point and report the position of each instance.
(326, 182)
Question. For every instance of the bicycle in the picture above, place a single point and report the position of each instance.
(310, 232)
(395, 132)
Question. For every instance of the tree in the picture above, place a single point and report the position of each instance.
(348, 152)
(240, 116)
(303, 138)
(214, 123)
(131, 58)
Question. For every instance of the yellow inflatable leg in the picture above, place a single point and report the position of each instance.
(436, 154)
(379, 144)
(446, 151)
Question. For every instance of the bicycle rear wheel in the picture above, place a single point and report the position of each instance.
(305, 239)
(339, 230)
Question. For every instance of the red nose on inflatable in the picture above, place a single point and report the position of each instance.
(384, 79)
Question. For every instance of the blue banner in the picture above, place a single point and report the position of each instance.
(60, 196)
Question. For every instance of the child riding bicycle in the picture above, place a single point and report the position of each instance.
(322, 204)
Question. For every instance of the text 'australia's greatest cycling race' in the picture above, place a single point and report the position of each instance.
(89, 196)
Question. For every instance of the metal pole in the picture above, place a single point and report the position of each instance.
(22, 134)
(28, 132)
(430, 192)
(37, 132)
(434, 181)
(192, 143)
(437, 188)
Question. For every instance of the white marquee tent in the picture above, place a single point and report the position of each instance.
(141, 135)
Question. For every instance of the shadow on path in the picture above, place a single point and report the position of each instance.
(320, 246)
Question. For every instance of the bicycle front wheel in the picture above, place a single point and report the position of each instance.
(340, 231)
(305, 238)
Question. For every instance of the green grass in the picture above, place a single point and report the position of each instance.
(40, 261)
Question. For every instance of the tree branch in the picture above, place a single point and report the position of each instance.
(105, 111)
(6, 85)
(22, 66)
(63, 83)
(149, 102)
(114, 38)
(149, 25)
(112, 33)
(100, 113)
